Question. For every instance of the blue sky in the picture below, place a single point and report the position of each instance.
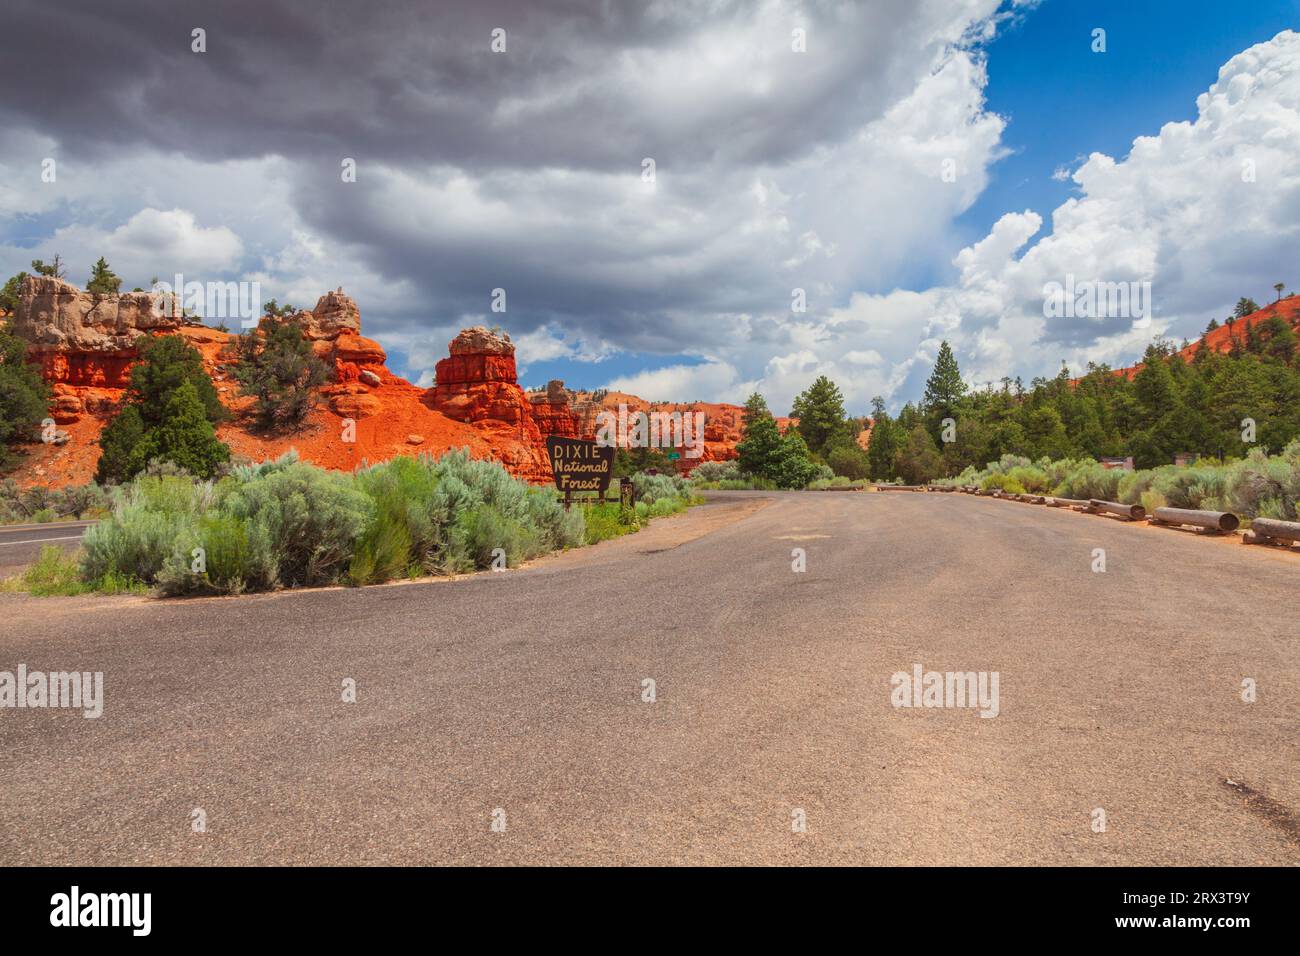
(1062, 101)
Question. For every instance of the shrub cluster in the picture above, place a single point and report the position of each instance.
(286, 523)
(37, 504)
(1257, 486)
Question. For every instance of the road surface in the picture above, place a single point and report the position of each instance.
(518, 698)
(20, 545)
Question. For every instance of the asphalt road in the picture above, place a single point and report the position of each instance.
(20, 545)
(523, 692)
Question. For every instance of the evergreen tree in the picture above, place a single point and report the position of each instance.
(944, 388)
(755, 408)
(11, 292)
(884, 442)
(185, 437)
(918, 461)
(166, 363)
(157, 422)
(103, 281)
(759, 445)
(766, 453)
(121, 446)
(820, 410)
(24, 396)
(944, 392)
(52, 269)
(279, 368)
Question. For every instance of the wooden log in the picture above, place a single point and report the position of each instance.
(1220, 522)
(1130, 512)
(1274, 529)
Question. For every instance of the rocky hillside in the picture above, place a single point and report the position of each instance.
(1221, 338)
(85, 345)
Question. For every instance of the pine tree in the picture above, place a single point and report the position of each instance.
(820, 410)
(944, 391)
(24, 396)
(166, 363)
(103, 281)
(918, 461)
(755, 408)
(185, 437)
(759, 445)
(11, 292)
(52, 269)
(282, 372)
(884, 442)
(120, 440)
(154, 423)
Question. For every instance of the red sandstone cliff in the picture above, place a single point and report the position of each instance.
(85, 345)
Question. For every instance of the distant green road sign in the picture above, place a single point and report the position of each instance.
(674, 455)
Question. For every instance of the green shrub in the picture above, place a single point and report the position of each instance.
(1262, 487)
(1002, 482)
(153, 521)
(1031, 478)
(24, 396)
(650, 488)
(748, 483)
(477, 536)
(849, 461)
(303, 523)
(53, 573)
(1088, 479)
(605, 521)
(659, 508)
(709, 471)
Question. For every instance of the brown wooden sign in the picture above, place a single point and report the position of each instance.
(580, 467)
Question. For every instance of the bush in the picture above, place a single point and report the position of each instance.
(153, 520)
(1030, 477)
(302, 524)
(606, 520)
(53, 573)
(285, 523)
(1089, 479)
(849, 461)
(1263, 487)
(709, 471)
(1002, 482)
(650, 488)
(479, 535)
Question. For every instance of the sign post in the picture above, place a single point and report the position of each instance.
(579, 466)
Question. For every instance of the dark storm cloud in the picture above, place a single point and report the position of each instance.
(417, 81)
(522, 170)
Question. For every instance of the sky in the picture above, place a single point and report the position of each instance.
(837, 187)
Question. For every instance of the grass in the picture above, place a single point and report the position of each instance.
(605, 521)
(56, 573)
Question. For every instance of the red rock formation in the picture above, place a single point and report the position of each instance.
(84, 339)
(722, 422)
(476, 384)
